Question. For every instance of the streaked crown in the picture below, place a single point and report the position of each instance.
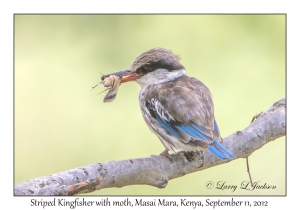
(156, 58)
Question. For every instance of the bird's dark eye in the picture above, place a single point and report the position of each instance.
(144, 70)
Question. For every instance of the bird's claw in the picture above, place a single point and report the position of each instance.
(165, 153)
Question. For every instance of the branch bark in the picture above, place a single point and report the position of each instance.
(158, 170)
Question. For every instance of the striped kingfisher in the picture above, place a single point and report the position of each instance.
(176, 107)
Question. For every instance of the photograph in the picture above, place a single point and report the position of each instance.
(149, 105)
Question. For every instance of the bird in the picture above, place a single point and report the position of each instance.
(176, 107)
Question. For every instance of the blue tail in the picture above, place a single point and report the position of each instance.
(221, 152)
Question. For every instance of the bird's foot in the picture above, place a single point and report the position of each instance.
(165, 153)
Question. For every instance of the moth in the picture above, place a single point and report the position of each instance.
(112, 83)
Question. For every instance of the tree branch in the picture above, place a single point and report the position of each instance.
(158, 170)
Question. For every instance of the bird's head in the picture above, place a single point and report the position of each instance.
(152, 67)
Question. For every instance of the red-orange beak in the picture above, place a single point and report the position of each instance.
(126, 75)
(132, 77)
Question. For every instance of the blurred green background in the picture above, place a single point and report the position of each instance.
(61, 124)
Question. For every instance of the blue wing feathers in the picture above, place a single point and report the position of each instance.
(216, 152)
(216, 127)
(220, 146)
(168, 127)
(197, 132)
(193, 132)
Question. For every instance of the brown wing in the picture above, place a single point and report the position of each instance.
(185, 101)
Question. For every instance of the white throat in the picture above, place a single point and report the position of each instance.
(159, 76)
